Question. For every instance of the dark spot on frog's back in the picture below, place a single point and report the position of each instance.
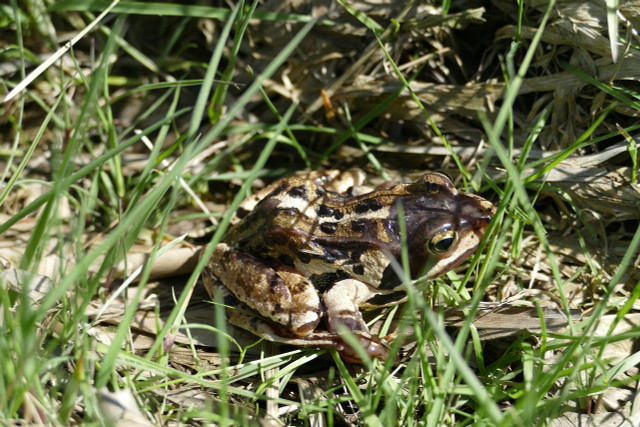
(304, 257)
(358, 269)
(287, 260)
(358, 225)
(368, 205)
(328, 227)
(298, 192)
(324, 281)
(325, 211)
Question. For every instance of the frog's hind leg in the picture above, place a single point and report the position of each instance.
(279, 304)
(242, 316)
(275, 291)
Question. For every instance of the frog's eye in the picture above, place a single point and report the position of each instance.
(442, 242)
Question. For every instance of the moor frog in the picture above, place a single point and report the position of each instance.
(318, 247)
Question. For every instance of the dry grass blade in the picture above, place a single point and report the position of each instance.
(57, 55)
(532, 105)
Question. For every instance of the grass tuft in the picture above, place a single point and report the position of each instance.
(132, 131)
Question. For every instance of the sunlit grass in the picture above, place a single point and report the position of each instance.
(52, 367)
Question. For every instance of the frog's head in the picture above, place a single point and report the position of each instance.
(444, 225)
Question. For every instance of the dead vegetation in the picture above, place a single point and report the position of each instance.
(571, 130)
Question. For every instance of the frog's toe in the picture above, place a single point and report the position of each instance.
(373, 346)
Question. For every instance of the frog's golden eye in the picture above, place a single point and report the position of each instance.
(442, 242)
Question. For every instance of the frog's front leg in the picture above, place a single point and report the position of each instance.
(341, 303)
(276, 292)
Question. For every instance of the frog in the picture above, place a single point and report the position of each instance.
(307, 254)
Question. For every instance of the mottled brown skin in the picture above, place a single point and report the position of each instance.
(314, 248)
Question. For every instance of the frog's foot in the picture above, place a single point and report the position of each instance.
(342, 311)
(375, 347)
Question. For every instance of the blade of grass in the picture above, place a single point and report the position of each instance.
(86, 170)
(53, 58)
(362, 17)
(17, 173)
(633, 153)
(220, 93)
(178, 9)
(62, 170)
(573, 147)
(612, 26)
(214, 133)
(110, 357)
(369, 418)
(424, 111)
